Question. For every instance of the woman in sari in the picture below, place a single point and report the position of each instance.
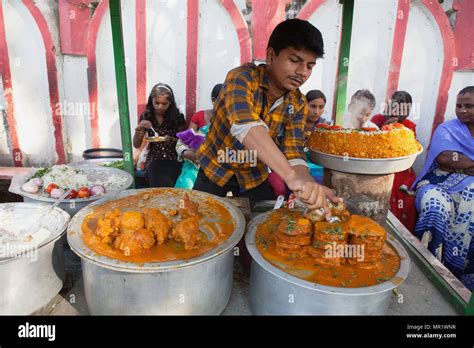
(445, 192)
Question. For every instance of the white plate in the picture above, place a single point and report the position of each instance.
(371, 166)
(72, 206)
(158, 139)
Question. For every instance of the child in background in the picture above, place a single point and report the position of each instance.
(402, 202)
(396, 110)
(161, 115)
(190, 140)
(203, 117)
(359, 110)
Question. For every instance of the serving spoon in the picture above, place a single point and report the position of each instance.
(39, 222)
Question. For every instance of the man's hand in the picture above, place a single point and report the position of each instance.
(311, 193)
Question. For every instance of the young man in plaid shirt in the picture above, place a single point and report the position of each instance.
(256, 105)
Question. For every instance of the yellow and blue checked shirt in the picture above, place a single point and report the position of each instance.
(244, 100)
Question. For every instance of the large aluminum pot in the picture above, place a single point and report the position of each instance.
(201, 285)
(31, 277)
(275, 292)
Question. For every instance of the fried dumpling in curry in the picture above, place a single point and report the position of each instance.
(339, 210)
(188, 208)
(292, 234)
(132, 220)
(187, 232)
(133, 242)
(108, 226)
(158, 223)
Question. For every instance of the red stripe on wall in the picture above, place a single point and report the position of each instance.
(242, 30)
(50, 52)
(8, 93)
(92, 70)
(140, 17)
(266, 15)
(191, 57)
(311, 7)
(398, 44)
(447, 71)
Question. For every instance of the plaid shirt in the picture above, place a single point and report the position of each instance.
(244, 101)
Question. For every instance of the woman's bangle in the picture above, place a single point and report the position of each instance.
(460, 171)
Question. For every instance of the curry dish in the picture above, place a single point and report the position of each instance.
(350, 253)
(142, 228)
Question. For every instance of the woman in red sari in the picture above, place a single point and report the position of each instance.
(402, 201)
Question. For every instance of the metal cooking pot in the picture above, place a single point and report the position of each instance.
(30, 279)
(201, 285)
(275, 292)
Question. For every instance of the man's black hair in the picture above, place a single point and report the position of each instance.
(466, 90)
(298, 34)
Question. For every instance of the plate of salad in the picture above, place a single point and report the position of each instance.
(86, 183)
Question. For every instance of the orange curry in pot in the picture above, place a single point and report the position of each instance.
(350, 253)
(139, 229)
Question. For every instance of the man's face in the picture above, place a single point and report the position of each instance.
(465, 108)
(290, 68)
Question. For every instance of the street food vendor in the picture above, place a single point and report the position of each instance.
(257, 104)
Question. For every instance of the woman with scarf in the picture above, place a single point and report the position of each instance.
(445, 192)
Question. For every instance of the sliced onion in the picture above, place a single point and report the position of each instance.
(37, 181)
(56, 193)
(97, 190)
(30, 187)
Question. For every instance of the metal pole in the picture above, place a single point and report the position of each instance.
(343, 66)
(121, 80)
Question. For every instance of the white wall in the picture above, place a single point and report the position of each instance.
(420, 72)
(218, 50)
(328, 20)
(29, 84)
(166, 46)
(371, 44)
